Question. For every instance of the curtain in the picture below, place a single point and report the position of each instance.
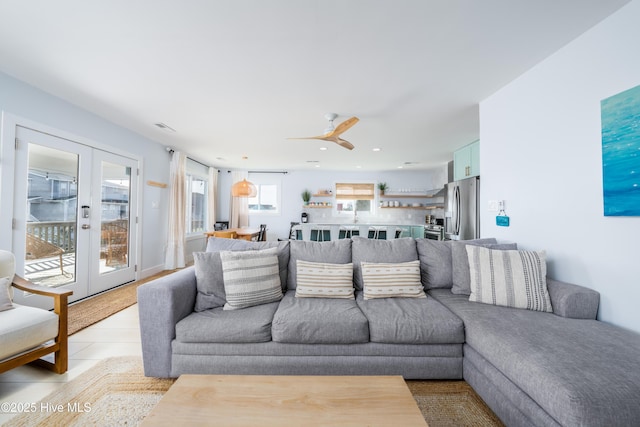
(212, 197)
(174, 256)
(239, 216)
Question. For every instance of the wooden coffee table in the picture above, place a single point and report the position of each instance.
(254, 400)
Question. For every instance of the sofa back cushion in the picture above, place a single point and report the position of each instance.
(435, 263)
(380, 251)
(208, 268)
(334, 252)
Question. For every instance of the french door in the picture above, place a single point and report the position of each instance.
(74, 221)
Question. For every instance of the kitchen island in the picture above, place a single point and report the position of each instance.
(335, 231)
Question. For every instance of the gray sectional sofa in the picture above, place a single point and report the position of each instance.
(532, 368)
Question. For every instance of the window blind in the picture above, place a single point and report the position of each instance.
(347, 191)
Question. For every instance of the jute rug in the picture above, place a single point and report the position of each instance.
(92, 310)
(116, 393)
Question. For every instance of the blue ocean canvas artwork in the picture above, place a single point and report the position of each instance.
(621, 153)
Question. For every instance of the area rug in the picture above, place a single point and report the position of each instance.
(115, 392)
(451, 404)
(92, 310)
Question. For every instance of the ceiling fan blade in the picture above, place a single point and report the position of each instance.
(310, 137)
(334, 135)
(344, 126)
(341, 142)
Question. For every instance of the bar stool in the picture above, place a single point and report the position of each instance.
(320, 235)
(348, 232)
(378, 233)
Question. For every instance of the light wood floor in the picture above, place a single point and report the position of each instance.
(118, 335)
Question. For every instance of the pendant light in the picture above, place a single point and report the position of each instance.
(243, 188)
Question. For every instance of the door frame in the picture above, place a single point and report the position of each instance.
(9, 123)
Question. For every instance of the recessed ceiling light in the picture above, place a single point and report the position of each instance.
(317, 166)
(376, 149)
(400, 167)
(358, 167)
(323, 148)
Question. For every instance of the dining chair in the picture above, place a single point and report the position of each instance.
(262, 235)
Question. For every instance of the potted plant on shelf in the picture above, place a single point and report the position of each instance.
(382, 186)
(306, 196)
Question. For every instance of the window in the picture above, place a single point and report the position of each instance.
(197, 182)
(267, 199)
(352, 198)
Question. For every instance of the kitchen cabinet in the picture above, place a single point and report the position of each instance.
(466, 161)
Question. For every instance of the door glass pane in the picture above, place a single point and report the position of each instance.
(52, 199)
(114, 217)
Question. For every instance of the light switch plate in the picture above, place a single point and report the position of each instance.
(502, 220)
(493, 206)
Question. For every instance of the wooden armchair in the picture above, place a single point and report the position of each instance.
(29, 333)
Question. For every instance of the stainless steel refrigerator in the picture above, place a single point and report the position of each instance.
(461, 209)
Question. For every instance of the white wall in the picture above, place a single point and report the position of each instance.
(295, 182)
(541, 152)
(24, 101)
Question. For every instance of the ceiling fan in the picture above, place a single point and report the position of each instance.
(333, 133)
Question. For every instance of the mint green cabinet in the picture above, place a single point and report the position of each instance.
(466, 161)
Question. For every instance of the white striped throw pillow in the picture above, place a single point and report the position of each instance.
(324, 280)
(509, 278)
(384, 280)
(250, 278)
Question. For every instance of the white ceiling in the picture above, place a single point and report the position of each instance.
(235, 78)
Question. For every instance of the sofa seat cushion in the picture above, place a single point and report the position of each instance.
(249, 325)
(319, 321)
(411, 321)
(581, 372)
(23, 328)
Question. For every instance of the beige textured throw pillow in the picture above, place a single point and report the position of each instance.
(324, 280)
(509, 278)
(5, 296)
(250, 278)
(392, 280)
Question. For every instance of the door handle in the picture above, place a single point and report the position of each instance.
(86, 226)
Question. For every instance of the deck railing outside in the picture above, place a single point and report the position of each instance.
(61, 234)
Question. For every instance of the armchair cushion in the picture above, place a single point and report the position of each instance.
(24, 328)
(5, 296)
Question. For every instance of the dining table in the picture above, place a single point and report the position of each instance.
(244, 233)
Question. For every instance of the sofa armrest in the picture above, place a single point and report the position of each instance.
(573, 301)
(162, 303)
